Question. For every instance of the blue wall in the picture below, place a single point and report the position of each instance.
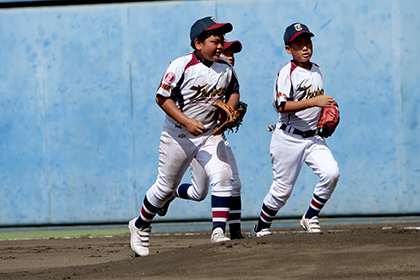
(79, 127)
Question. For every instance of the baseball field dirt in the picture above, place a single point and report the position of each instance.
(340, 252)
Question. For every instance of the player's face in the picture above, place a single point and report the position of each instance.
(211, 48)
(228, 55)
(301, 50)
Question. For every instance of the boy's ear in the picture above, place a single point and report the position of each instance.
(287, 47)
(198, 44)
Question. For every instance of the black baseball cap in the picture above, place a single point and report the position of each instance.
(234, 46)
(294, 30)
(207, 24)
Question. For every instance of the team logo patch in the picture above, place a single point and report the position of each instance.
(165, 86)
(298, 27)
(281, 95)
(169, 77)
(214, 20)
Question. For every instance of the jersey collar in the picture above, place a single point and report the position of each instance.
(206, 63)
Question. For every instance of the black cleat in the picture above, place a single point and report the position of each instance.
(237, 235)
(162, 211)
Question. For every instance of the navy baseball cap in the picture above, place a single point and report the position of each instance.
(294, 30)
(207, 24)
(234, 46)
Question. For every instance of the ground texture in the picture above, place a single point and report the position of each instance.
(341, 252)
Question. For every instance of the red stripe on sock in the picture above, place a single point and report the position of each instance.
(145, 214)
(316, 204)
(265, 217)
(220, 214)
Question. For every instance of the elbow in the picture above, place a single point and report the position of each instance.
(160, 100)
(281, 108)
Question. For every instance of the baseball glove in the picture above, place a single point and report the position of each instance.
(229, 118)
(330, 117)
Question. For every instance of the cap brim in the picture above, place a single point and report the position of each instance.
(299, 33)
(234, 46)
(223, 27)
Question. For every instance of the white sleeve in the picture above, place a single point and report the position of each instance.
(171, 78)
(282, 88)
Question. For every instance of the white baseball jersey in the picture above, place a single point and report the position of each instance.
(294, 83)
(194, 85)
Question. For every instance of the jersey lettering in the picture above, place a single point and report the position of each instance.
(202, 93)
(305, 93)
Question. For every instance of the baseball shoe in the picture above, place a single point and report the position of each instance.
(162, 211)
(218, 236)
(139, 240)
(310, 225)
(236, 235)
(261, 233)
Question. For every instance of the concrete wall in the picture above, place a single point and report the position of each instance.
(79, 127)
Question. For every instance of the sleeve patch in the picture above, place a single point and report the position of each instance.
(279, 94)
(169, 77)
(165, 87)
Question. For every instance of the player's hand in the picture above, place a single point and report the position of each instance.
(323, 100)
(195, 127)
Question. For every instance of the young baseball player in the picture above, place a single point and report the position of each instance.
(189, 87)
(298, 98)
(199, 187)
(231, 47)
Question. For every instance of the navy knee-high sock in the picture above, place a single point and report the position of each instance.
(266, 217)
(316, 206)
(220, 211)
(182, 191)
(147, 213)
(235, 212)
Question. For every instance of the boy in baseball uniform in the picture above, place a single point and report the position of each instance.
(199, 186)
(189, 87)
(231, 47)
(298, 98)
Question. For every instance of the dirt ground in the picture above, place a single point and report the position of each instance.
(341, 252)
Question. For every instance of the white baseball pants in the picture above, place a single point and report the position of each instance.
(288, 153)
(176, 151)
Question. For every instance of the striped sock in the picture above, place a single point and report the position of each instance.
(147, 213)
(234, 217)
(182, 191)
(220, 211)
(316, 206)
(266, 217)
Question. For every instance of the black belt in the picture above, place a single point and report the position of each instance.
(304, 134)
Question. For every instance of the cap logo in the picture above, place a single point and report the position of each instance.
(298, 27)
(214, 20)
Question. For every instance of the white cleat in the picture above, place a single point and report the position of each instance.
(139, 240)
(218, 236)
(261, 233)
(310, 225)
